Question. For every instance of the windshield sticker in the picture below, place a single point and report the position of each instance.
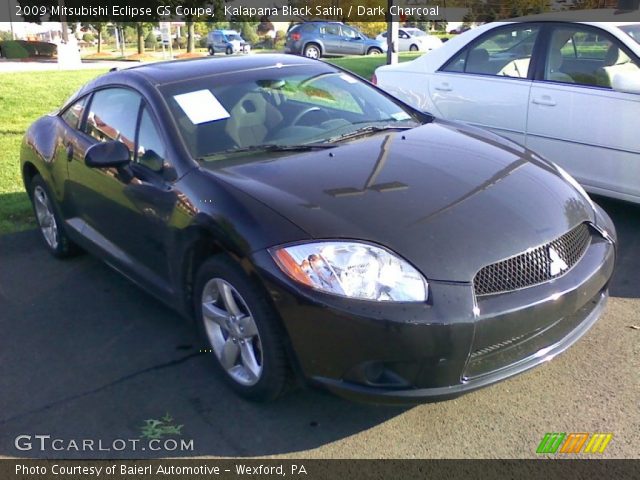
(400, 116)
(348, 78)
(201, 106)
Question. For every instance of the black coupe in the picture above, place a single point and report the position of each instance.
(317, 228)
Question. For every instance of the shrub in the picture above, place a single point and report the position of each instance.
(13, 49)
(88, 37)
(281, 37)
(23, 49)
(150, 41)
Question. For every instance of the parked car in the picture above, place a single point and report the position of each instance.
(318, 39)
(311, 223)
(413, 40)
(567, 90)
(227, 41)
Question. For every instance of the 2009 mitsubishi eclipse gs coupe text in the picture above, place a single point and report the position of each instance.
(317, 228)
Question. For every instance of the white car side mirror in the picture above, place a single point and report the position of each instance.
(626, 82)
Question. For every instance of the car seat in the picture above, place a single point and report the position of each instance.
(252, 119)
(554, 64)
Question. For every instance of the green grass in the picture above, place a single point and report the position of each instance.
(24, 97)
(365, 66)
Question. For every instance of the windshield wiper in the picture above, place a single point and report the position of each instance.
(271, 147)
(367, 131)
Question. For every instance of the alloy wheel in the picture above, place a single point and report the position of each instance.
(232, 332)
(45, 216)
(312, 52)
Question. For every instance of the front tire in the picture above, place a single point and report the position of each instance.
(413, 48)
(49, 221)
(312, 51)
(239, 325)
(229, 50)
(374, 51)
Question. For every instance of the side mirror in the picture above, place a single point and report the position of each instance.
(107, 154)
(626, 82)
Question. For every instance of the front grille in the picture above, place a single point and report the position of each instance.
(535, 266)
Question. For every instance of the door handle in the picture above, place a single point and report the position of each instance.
(443, 87)
(544, 100)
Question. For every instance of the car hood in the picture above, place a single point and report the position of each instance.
(448, 198)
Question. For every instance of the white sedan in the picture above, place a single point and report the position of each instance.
(413, 40)
(568, 90)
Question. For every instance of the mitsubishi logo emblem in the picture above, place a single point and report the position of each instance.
(558, 265)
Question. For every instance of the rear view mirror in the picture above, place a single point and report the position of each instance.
(626, 82)
(107, 154)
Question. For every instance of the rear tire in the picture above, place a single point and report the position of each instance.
(312, 50)
(49, 220)
(374, 51)
(211, 51)
(236, 321)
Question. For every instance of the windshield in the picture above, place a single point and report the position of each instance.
(288, 106)
(233, 37)
(633, 31)
(417, 33)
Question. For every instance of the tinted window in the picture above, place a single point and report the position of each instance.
(151, 151)
(330, 29)
(112, 116)
(585, 56)
(73, 115)
(503, 52)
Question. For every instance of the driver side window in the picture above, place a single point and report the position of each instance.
(112, 116)
(151, 150)
(349, 33)
(504, 52)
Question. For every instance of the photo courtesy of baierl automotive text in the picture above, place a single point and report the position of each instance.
(345, 238)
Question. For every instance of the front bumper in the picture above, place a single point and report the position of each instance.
(457, 342)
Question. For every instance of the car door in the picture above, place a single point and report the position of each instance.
(331, 38)
(487, 83)
(404, 41)
(577, 120)
(352, 42)
(125, 211)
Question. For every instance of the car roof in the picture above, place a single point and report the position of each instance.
(159, 73)
(603, 15)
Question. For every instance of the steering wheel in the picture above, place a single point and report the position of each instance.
(304, 112)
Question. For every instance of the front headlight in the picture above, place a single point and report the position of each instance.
(352, 269)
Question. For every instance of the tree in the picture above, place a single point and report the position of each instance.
(140, 36)
(99, 28)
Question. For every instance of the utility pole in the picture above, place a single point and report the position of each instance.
(392, 36)
(9, 5)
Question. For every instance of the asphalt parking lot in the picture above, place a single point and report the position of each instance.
(85, 354)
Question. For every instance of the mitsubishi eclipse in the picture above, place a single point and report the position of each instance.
(318, 229)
